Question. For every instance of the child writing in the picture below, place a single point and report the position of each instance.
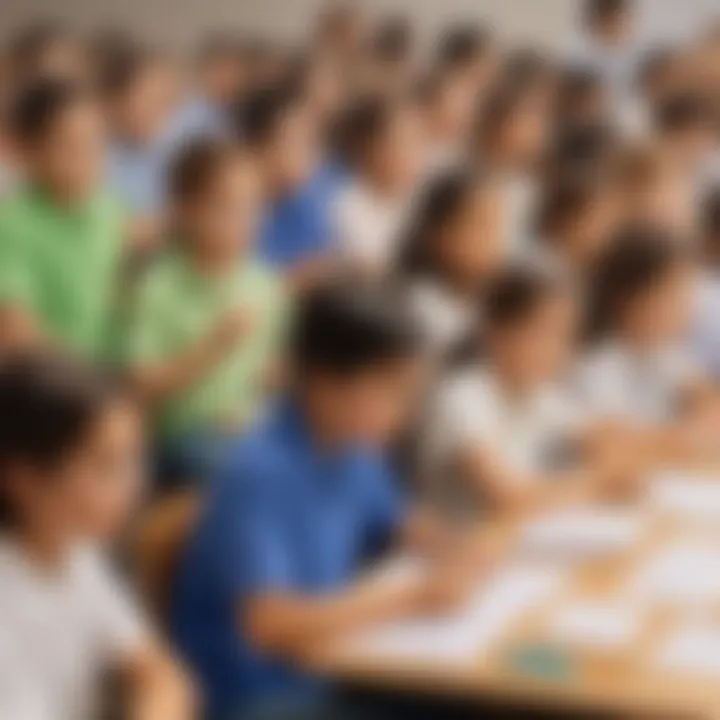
(69, 471)
(208, 319)
(270, 569)
(61, 236)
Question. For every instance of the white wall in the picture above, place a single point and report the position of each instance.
(544, 21)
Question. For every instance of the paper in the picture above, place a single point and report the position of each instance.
(687, 574)
(495, 604)
(694, 649)
(691, 496)
(596, 625)
(583, 532)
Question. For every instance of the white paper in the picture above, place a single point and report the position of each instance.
(690, 496)
(460, 637)
(686, 574)
(582, 532)
(596, 625)
(695, 649)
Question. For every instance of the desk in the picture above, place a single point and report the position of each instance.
(617, 681)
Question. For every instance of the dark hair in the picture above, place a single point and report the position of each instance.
(580, 150)
(40, 104)
(502, 103)
(440, 202)
(577, 85)
(196, 165)
(711, 216)
(524, 69)
(463, 44)
(343, 330)
(124, 68)
(684, 111)
(515, 294)
(258, 117)
(29, 44)
(636, 258)
(602, 10)
(392, 41)
(49, 404)
(564, 200)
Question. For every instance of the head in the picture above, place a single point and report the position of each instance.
(641, 289)
(277, 127)
(447, 103)
(458, 231)
(390, 55)
(339, 31)
(354, 352)
(531, 321)
(583, 99)
(579, 151)
(469, 52)
(576, 217)
(215, 199)
(222, 67)
(385, 139)
(139, 92)
(320, 80)
(610, 21)
(70, 448)
(57, 125)
(711, 228)
(686, 128)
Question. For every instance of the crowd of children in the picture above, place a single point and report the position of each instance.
(268, 315)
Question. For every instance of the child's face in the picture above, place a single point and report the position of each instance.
(472, 246)
(537, 349)
(293, 151)
(395, 161)
(69, 159)
(661, 314)
(454, 108)
(221, 222)
(527, 130)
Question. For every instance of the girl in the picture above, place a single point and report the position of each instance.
(69, 449)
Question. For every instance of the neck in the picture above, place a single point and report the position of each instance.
(45, 550)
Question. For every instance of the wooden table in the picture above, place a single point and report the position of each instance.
(621, 682)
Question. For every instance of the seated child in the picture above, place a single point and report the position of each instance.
(270, 569)
(505, 436)
(69, 473)
(208, 320)
(61, 236)
(453, 247)
(373, 208)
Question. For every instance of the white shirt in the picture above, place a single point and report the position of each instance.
(368, 227)
(521, 197)
(473, 409)
(58, 633)
(705, 333)
(645, 389)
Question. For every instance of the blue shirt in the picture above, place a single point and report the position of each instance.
(297, 227)
(283, 517)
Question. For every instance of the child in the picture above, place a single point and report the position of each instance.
(470, 54)
(69, 471)
(576, 217)
(208, 320)
(452, 249)
(60, 236)
(583, 100)
(295, 234)
(504, 435)
(270, 569)
(638, 370)
(373, 208)
(388, 67)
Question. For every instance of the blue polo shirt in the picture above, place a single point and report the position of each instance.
(297, 226)
(283, 517)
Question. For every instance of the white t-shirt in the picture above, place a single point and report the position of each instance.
(645, 389)
(59, 633)
(473, 409)
(368, 227)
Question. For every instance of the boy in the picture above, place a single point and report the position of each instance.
(269, 570)
(505, 436)
(294, 235)
(60, 236)
(208, 321)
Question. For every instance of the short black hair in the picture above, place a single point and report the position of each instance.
(343, 329)
(41, 103)
(603, 10)
(258, 117)
(463, 44)
(50, 402)
(636, 258)
(580, 150)
(515, 293)
(684, 111)
(393, 40)
(196, 165)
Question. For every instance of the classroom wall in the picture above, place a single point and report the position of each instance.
(548, 22)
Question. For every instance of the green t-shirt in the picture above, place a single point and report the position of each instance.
(177, 307)
(61, 264)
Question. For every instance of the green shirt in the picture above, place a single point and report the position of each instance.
(61, 263)
(176, 307)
